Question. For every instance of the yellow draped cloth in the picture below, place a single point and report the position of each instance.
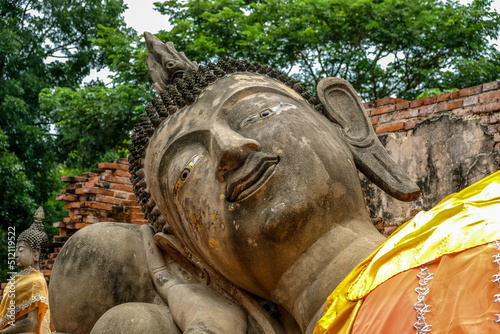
(461, 221)
(28, 293)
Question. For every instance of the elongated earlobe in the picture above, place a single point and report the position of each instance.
(343, 107)
(36, 253)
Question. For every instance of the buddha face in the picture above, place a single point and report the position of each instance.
(250, 176)
(25, 256)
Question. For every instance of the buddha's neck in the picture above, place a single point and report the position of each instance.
(304, 288)
(35, 265)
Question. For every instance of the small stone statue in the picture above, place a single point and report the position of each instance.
(250, 185)
(25, 304)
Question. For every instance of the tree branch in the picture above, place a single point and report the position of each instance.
(82, 34)
(374, 62)
(291, 68)
(320, 61)
(25, 11)
(349, 50)
(336, 73)
(346, 70)
(58, 135)
(379, 54)
(311, 70)
(59, 47)
(45, 123)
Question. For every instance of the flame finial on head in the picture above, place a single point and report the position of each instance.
(165, 62)
(39, 215)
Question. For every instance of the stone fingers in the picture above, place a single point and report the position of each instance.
(160, 273)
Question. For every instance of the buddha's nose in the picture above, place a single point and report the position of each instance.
(231, 150)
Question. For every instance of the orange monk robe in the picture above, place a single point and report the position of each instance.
(460, 297)
(30, 292)
(460, 222)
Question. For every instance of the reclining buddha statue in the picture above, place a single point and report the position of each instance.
(256, 215)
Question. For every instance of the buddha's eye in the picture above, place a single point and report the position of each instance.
(185, 172)
(263, 114)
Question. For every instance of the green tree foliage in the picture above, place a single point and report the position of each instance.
(94, 123)
(124, 53)
(382, 47)
(14, 184)
(43, 44)
(434, 92)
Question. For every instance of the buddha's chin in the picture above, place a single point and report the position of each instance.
(286, 221)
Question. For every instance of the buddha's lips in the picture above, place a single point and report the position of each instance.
(252, 181)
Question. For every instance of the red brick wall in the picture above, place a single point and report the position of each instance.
(103, 195)
(398, 115)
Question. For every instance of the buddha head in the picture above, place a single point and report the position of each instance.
(32, 242)
(240, 168)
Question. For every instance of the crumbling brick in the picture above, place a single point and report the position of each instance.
(484, 108)
(471, 100)
(385, 118)
(405, 114)
(122, 187)
(391, 127)
(409, 125)
(449, 105)
(491, 86)
(469, 91)
(403, 105)
(107, 165)
(431, 109)
(123, 173)
(383, 110)
(67, 198)
(443, 97)
(489, 97)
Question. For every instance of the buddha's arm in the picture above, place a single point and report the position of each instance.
(26, 324)
(195, 308)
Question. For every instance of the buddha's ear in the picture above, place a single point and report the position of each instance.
(36, 253)
(343, 107)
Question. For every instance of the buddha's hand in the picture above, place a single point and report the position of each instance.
(195, 308)
(160, 272)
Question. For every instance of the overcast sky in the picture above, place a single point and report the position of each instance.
(141, 16)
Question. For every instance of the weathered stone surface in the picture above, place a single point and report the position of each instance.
(444, 155)
(133, 318)
(101, 266)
